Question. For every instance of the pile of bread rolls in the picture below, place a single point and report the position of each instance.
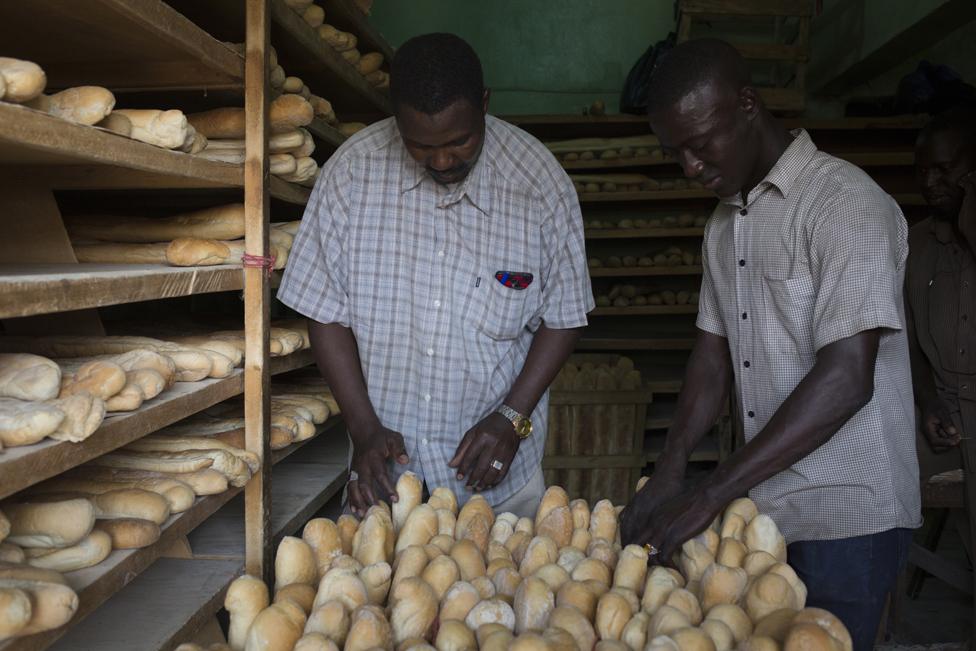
(206, 237)
(428, 576)
(673, 256)
(590, 183)
(684, 220)
(598, 376)
(368, 65)
(586, 149)
(626, 295)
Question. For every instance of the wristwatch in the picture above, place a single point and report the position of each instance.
(522, 424)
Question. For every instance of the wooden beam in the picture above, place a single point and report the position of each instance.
(257, 403)
(916, 37)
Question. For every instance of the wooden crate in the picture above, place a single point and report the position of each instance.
(594, 444)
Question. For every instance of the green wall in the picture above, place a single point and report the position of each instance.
(539, 56)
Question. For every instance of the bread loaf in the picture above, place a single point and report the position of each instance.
(246, 597)
(731, 553)
(53, 604)
(666, 620)
(377, 578)
(440, 574)
(343, 585)
(576, 624)
(720, 633)
(453, 635)
(224, 222)
(322, 108)
(117, 123)
(108, 253)
(419, 527)
(294, 563)
(372, 538)
(11, 553)
(129, 533)
(722, 585)
(734, 618)
(276, 628)
(22, 80)
(458, 601)
(167, 129)
(24, 423)
(322, 535)
(158, 443)
(282, 164)
(768, 593)
(330, 619)
(92, 550)
(101, 379)
(158, 461)
(87, 105)
(491, 611)
(286, 113)
(692, 639)
(28, 377)
(762, 534)
(301, 594)
(305, 169)
(413, 609)
(631, 569)
(685, 601)
(828, 622)
(369, 629)
(369, 63)
(315, 642)
(757, 563)
(98, 480)
(603, 521)
(613, 611)
(484, 586)
(15, 611)
(695, 558)
(409, 494)
(49, 524)
(131, 503)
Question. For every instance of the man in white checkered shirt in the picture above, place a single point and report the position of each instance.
(801, 305)
(442, 267)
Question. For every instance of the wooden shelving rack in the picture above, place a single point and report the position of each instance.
(157, 597)
(660, 337)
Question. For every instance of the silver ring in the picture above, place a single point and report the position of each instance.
(651, 550)
(353, 475)
(497, 465)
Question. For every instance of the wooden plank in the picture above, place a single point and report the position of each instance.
(747, 7)
(634, 233)
(644, 310)
(646, 195)
(326, 132)
(688, 270)
(30, 137)
(120, 44)
(158, 610)
(290, 192)
(24, 466)
(325, 429)
(634, 343)
(257, 298)
(96, 585)
(954, 574)
(346, 16)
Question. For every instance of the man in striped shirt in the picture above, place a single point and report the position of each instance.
(801, 307)
(442, 267)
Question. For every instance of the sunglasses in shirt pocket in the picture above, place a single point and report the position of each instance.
(506, 301)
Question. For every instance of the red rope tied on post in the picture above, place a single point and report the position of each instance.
(259, 261)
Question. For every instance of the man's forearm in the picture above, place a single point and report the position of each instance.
(708, 379)
(337, 356)
(839, 385)
(549, 351)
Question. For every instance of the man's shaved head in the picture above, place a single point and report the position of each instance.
(693, 65)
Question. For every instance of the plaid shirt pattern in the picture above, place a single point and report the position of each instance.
(816, 254)
(410, 266)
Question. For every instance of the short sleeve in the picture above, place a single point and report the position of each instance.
(709, 309)
(567, 295)
(858, 249)
(314, 283)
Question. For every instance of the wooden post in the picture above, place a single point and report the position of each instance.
(257, 493)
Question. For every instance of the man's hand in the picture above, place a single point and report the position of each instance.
(675, 521)
(660, 488)
(493, 439)
(371, 481)
(937, 426)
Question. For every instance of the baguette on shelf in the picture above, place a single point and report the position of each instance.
(496, 581)
(638, 296)
(673, 256)
(33, 600)
(684, 220)
(607, 148)
(589, 183)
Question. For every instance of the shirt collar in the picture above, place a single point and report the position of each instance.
(787, 169)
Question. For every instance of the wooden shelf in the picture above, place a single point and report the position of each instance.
(168, 602)
(299, 488)
(611, 272)
(643, 310)
(120, 44)
(633, 161)
(646, 195)
(290, 192)
(24, 466)
(346, 16)
(324, 429)
(635, 343)
(634, 233)
(326, 132)
(97, 585)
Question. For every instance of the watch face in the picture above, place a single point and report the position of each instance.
(525, 428)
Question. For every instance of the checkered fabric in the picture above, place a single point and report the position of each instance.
(816, 254)
(410, 266)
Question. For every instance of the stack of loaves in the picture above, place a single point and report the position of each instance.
(210, 236)
(290, 145)
(32, 599)
(590, 183)
(684, 220)
(673, 256)
(639, 296)
(581, 375)
(426, 576)
(588, 149)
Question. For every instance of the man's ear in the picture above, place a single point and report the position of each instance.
(484, 100)
(750, 102)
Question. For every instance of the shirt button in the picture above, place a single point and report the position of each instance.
(437, 303)
(964, 387)
(430, 352)
(440, 254)
(744, 212)
(746, 363)
(744, 315)
(424, 441)
(752, 414)
(427, 397)
(742, 263)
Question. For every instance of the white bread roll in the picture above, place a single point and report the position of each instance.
(557, 525)
(581, 539)
(685, 601)
(575, 623)
(418, 528)
(294, 563)
(731, 553)
(323, 109)
(347, 525)
(369, 63)
(532, 605)
(28, 377)
(100, 378)
(330, 619)
(666, 620)
(789, 574)
(734, 618)
(722, 585)
(167, 129)
(377, 578)
(413, 609)
(98, 480)
(440, 574)
(542, 550)
(591, 569)
(743, 507)
(506, 581)
(130, 503)
(443, 498)
(762, 534)
(15, 611)
(829, 623)
(49, 524)
(569, 558)
(373, 536)
(315, 642)
(446, 522)
(661, 581)
(809, 637)
(453, 635)
(517, 544)
(87, 105)
(25, 423)
(491, 611)
(631, 569)
(246, 597)
(634, 634)
(116, 123)
(83, 415)
(603, 551)
(553, 575)
(613, 611)
(369, 630)
(758, 643)
(22, 80)
(661, 643)
(11, 553)
(733, 526)
(498, 639)
(695, 559)
(129, 533)
(768, 593)
(410, 562)
(501, 531)
(469, 560)
(92, 550)
(580, 509)
(692, 639)
(276, 628)
(554, 497)
(302, 594)
(603, 521)
(484, 586)
(776, 624)
(721, 634)
(343, 585)
(630, 596)
(579, 596)
(458, 601)
(758, 563)
(52, 604)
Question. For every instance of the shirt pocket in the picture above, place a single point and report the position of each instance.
(504, 312)
(790, 303)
